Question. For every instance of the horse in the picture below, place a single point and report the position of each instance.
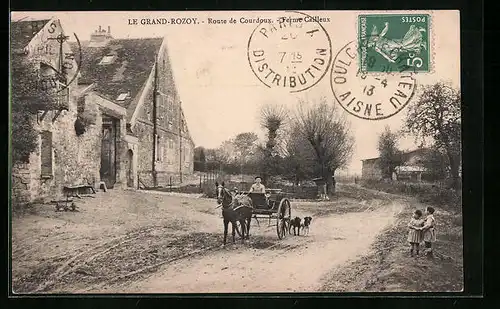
(234, 211)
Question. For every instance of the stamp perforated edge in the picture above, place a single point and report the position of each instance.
(432, 49)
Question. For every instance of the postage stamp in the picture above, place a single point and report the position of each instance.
(389, 41)
(365, 96)
(293, 52)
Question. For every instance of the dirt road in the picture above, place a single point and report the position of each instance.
(134, 242)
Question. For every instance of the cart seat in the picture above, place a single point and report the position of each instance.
(259, 200)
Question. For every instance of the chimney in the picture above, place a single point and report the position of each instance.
(100, 37)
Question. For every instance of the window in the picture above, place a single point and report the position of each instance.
(46, 154)
(107, 59)
(157, 147)
(162, 153)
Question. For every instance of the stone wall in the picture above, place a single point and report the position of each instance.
(21, 184)
(171, 156)
(75, 159)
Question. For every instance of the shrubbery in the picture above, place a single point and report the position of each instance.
(438, 194)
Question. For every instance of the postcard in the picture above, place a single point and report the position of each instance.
(235, 152)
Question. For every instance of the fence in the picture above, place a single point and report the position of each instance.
(204, 183)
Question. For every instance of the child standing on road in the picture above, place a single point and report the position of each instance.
(429, 234)
(415, 232)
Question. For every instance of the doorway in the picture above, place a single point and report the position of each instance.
(130, 168)
(108, 151)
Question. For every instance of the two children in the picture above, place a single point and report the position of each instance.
(422, 229)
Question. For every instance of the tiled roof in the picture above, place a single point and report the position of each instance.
(21, 32)
(407, 154)
(128, 70)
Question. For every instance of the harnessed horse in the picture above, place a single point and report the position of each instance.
(234, 211)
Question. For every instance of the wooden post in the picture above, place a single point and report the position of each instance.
(170, 185)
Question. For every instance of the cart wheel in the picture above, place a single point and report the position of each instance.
(283, 218)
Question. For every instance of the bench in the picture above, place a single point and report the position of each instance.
(74, 191)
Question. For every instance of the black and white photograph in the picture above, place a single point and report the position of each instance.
(235, 152)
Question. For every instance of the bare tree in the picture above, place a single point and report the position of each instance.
(390, 155)
(273, 119)
(329, 134)
(436, 115)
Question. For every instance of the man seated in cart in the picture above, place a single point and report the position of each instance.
(258, 187)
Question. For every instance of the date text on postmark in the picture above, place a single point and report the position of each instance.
(366, 96)
(292, 53)
(384, 39)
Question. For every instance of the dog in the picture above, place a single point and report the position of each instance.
(295, 224)
(305, 225)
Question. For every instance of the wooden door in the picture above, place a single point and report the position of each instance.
(108, 151)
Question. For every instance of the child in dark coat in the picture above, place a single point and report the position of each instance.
(429, 233)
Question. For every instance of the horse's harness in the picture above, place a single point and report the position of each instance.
(225, 196)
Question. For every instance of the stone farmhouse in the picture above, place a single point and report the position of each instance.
(124, 89)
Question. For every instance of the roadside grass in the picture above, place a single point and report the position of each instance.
(390, 268)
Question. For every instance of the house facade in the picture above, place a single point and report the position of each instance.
(131, 135)
(136, 74)
(371, 169)
(412, 170)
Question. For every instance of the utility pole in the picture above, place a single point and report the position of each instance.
(181, 123)
(155, 132)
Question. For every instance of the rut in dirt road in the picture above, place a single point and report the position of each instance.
(296, 264)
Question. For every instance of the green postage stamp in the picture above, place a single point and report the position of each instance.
(394, 42)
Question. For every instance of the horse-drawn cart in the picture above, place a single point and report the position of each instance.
(240, 208)
(274, 205)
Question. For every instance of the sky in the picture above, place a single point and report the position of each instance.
(220, 94)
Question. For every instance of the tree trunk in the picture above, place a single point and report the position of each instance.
(330, 185)
(454, 170)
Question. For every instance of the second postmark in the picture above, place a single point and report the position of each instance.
(366, 96)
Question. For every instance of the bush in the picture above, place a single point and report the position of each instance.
(432, 193)
(26, 137)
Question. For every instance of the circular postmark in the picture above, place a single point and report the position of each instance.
(59, 63)
(366, 96)
(293, 53)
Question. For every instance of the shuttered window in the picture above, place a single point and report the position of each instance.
(46, 153)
